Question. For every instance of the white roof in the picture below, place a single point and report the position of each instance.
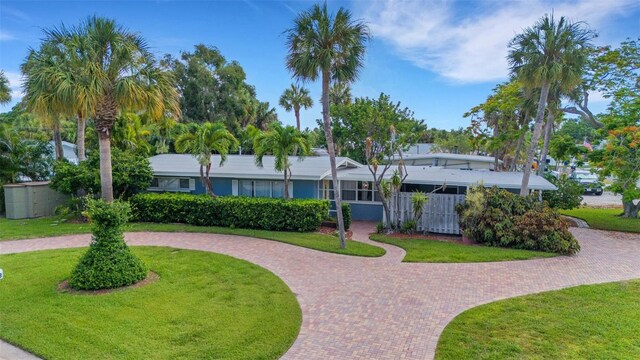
(449, 156)
(244, 166)
(453, 177)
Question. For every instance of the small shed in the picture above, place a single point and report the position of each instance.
(31, 200)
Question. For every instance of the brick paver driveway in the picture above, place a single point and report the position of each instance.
(380, 308)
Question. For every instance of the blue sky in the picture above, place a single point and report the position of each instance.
(439, 58)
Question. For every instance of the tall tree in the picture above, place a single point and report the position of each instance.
(204, 140)
(295, 98)
(281, 142)
(550, 52)
(329, 47)
(5, 90)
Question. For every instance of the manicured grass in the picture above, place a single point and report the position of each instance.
(54, 226)
(604, 219)
(204, 305)
(435, 251)
(585, 322)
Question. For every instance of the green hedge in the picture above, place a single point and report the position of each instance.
(346, 215)
(230, 211)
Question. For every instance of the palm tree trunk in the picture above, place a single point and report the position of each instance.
(106, 180)
(208, 183)
(80, 138)
(516, 156)
(57, 140)
(297, 113)
(496, 151)
(286, 185)
(537, 130)
(548, 129)
(326, 122)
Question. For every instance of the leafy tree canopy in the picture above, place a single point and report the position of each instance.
(373, 118)
(213, 89)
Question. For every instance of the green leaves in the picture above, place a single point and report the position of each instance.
(240, 212)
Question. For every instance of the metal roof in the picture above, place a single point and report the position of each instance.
(244, 166)
(454, 177)
(449, 156)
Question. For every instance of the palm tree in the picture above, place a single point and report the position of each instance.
(340, 93)
(550, 52)
(76, 72)
(331, 47)
(296, 97)
(281, 142)
(203, 140)
(5, 90)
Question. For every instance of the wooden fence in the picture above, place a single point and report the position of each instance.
(438, 216)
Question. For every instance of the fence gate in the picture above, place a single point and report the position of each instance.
(438, 216)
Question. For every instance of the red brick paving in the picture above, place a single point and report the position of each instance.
(380, 308)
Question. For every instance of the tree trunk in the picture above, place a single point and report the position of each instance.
(80, 139)
(516, 155)
(326, 123)
(286, 185)
(630, 209)
(385, 205)
(106, 114)
(548, 129)
(106, 180)
(209, 184)
(297, 112)
(57, 140)
(537, 130)
(496, 152)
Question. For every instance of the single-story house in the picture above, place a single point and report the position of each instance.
(450, 161)
(311, 178)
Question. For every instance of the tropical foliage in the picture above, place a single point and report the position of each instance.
(282, 142)
(329, 47)
(204, 140)
(295, 98)
(551, 53)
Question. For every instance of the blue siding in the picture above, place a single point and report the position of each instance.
(305, 189)
(199, 187)
(366, 212)
(222, 186)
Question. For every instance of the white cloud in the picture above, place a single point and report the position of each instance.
(15, 85)
(5, 36)
(470, 44)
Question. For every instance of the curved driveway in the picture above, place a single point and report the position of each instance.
(381, 308)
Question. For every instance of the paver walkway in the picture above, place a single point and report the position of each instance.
(380, 308)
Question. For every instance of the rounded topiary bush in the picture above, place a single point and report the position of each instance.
(108, 263)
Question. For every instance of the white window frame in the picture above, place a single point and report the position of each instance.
(165, 184)
(235, 190)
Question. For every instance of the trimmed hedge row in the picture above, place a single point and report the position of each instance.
(230, 211)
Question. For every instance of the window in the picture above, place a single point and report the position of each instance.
(359, 191)
(171, 184)
(326, 190)
(258, 188)
(349, 190)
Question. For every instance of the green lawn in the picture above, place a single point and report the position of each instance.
(434, 251)
(53, 226)
(204, 305)
(605, 219)
(585, 322)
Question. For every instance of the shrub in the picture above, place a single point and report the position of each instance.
(231, 211)
(408, 227)
(496, 217)
(379, 227)
(131, 174)
(346, 215)
(569, 193)
(108, 263)
(545, 230)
